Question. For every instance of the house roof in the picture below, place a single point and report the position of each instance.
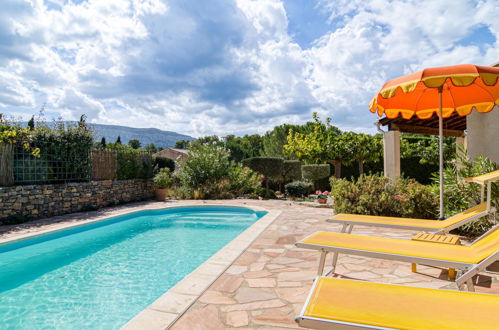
(453, 126)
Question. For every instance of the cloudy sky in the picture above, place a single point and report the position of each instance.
(227, 66)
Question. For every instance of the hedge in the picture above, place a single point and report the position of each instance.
(291, 170)
(270, 167)
(315, 172)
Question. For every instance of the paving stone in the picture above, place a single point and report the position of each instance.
(237, 318)
(216, 297)
(204, 318)
(253, 305)
(261, 282)
(245, 295)
(228, 283)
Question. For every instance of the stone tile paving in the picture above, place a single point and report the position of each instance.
(267, 285)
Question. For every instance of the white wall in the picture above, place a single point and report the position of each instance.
(483, 134)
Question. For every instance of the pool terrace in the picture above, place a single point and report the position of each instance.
(264, 286)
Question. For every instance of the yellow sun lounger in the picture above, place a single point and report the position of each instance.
(433, 226)
(348, 304)
(470, 260)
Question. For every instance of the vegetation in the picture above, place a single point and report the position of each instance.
(375, 195)
(298, 189)
(460, 196)
(15, 134)
(163, 162)
(134, 143)
(209, 173)
(163, 179)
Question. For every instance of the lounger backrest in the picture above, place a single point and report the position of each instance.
(465, 215)
(488, 244)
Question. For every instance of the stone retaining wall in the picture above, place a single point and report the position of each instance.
(40, 201)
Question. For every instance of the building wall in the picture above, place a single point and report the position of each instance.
(39, 201)
(483, 134)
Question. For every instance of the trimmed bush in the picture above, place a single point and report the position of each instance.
(270, 167)
(163, 162)
(298, 189)
(163, 179)
(375, 195)
(291, 170)
(315, 172)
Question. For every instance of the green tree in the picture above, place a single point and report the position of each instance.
(361, 148)
(182, 144)
(318, 145)
(118, 140)
(243, 147)
(31, 123)
(151, 148)
(134, 143)
(103, 143)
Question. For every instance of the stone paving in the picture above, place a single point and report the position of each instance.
(265, 288)
(267, 285)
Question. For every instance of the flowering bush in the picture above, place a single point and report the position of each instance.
(322, 194)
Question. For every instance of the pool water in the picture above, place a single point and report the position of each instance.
(101, 275)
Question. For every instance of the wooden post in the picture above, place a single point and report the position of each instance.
(6, 164)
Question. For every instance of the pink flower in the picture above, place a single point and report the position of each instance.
(325, 192)
(318, 192)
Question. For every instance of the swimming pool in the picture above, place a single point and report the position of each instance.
(102, 274)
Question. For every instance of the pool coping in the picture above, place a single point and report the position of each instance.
(168, 308)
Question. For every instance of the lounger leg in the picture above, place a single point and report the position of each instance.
(470, 285)
(414, 267)
(344, 228)
(322, 261)
(452, 274)
(350, 228)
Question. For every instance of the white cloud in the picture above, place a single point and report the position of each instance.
(224, 66)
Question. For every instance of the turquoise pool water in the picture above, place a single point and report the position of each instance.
(100, 275)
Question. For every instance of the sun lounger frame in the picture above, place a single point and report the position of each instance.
(321, 323)
(465, 270)
(349, 224)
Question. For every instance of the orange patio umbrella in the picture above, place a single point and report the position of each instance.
(439, 91)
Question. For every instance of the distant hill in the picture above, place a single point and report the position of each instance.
(146, 136)
(159, 138)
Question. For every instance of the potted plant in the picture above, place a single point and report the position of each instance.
(322, 196)
(162, 181)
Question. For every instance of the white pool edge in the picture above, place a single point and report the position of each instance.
(168, 308)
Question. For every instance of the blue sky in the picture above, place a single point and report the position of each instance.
(227, 66)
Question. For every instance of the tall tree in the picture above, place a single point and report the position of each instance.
(103, 143)
(118, 140)
(182, 144)
(361, 148)
(134, 143)
(31, 123)
(320, 144)
(151, 148)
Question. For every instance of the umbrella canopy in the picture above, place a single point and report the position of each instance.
(441, 91)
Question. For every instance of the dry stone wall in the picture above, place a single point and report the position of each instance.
(39, 201)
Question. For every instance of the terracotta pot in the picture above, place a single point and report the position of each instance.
(161, 194)
(322, 201)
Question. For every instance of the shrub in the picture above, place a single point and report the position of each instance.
(244, 181)
(132, 163)
(315, 172)
(460, 196)
(291, 170)
(375, 195)
(206, 164)
(163, 179)
(298, 189)
(163, 162)
(270, 167)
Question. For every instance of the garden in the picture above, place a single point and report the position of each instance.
(313, 162)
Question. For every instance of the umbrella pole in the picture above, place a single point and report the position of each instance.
(441, 151)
